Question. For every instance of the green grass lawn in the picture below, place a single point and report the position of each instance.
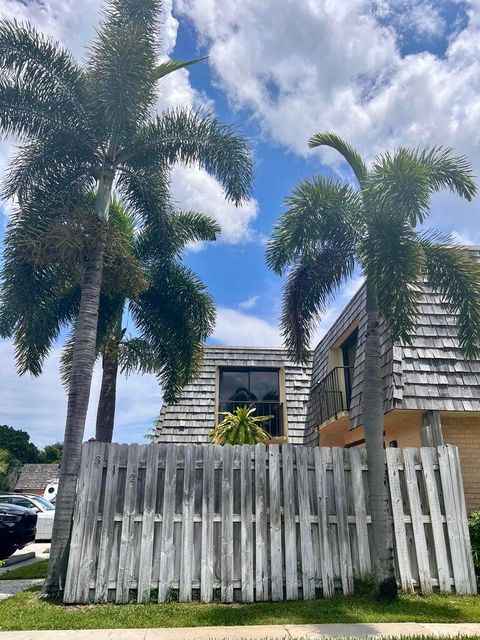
(27, 611)
(30, 572)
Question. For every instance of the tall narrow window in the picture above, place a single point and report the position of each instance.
(349, 351)
(257, 387)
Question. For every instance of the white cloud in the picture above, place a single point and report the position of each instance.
(194, 189)
(315, 66)
(38, 405)
(249, 303)
(234, 328)
(352, 286)
(466, 237)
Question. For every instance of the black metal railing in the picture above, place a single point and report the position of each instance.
(328, 395)
(273, 426)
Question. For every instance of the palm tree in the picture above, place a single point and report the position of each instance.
(328, 230)
(240, 427)
(92, 127)
(139, 271)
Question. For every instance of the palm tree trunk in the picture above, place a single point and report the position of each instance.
(108, 396)
(84, 353)
(373, 420)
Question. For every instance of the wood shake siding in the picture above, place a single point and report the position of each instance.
(194, 415)
(431, 374)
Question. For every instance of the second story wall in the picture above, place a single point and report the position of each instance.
(196, 412)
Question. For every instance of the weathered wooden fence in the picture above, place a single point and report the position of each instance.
(258, 523)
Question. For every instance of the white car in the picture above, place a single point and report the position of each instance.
(44, 509)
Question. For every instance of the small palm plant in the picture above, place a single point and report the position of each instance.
(240, 427)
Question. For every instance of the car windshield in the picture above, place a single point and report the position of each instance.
(48, 506)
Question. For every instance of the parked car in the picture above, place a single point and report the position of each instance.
(42, 507)
(17, 528)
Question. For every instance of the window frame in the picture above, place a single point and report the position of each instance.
(283, 437)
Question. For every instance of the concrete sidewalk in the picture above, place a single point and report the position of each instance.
(275, 632)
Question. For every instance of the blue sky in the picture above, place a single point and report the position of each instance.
(381, 73)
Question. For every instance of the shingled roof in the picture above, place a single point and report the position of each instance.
(431, 374)
(194, 415)
(36, 476)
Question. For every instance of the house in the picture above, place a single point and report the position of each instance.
(34, 478)
(431, 391)
(233, 376)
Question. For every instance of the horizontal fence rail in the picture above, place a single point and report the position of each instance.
(256, 523)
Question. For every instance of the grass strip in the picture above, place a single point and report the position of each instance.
(26, 611)
(29, 572)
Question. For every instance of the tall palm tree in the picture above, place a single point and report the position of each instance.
(141, 270)
(328, 230)
(93, 127)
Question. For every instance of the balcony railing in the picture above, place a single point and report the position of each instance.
(274, 426)
(328, 395)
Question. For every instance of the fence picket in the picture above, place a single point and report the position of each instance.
(342, 520)
(394, 460)
(360, 507)
(206, 579)
(417, 521)
(322, 457)
(125, 557)
(261, 561)
(246, 524)
(306, 546)
(167, 548)
(148, 522)
(106, 533)
(227, 524)
(186, 565)
(454, 535)
(291, 577)
(429, 457)
(275, 524)
(462, 517)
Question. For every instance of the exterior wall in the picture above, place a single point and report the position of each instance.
(191, 419)
(402, 426)
(325, 359)
(464, 432)
(459, 429)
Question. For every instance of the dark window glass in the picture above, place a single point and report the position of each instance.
(349, 352)
(257, 386)
(264, 385)
(234, 385)
(22, 502)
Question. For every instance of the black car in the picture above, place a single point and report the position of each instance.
(18, 526)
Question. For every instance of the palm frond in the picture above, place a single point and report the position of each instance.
(121, 67)
(137, 355)
(309, 287)
(320, 212)
(354, 159)
(49, 163)
(26, 113)
(147, 196)
(32, 59)
(401, 184)
(192, 226)
(192, 138)
(455, 274)
(175, 315)
(393, 259)
(165, 68)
